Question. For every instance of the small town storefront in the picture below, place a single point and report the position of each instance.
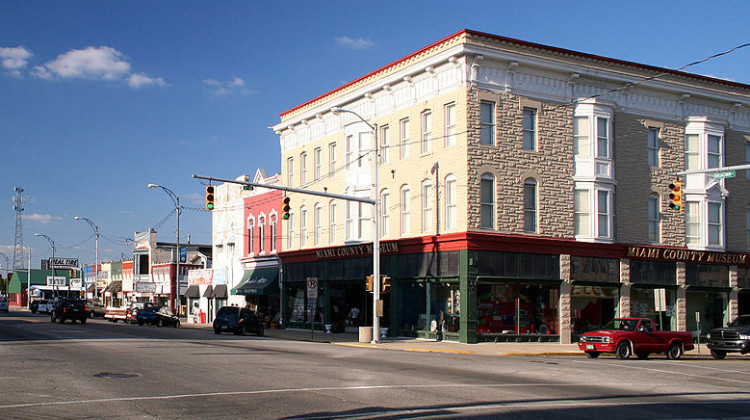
(260, 287)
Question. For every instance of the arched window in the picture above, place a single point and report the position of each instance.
(487, 201)
(261, 235)
(251, 235)
(530, 206)
(450, 202)
(303, 227)
(274, 231)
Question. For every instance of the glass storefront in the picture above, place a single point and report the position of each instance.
(595, 292)
(743, 297)
(655, 303)
(707, 295)
(517, 308)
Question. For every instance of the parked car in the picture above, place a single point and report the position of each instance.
(96, 309)
(237, 320)
(734, 338)
(72, 309)
(42, 306)
(628, 336)
(3, 304)
(159, 316)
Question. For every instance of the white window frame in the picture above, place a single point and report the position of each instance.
(403, 125)
(581, 139)
(349, 147)
(427, 206)
(316, 164)
(302, 169)
(317, 214)
(251, 235)
(487, 204)
(290, 230)
(303, 227)
(384, 149)
(693, 223)
(426, 142)
(332, 222)
(715, 228)
(450, 124)
(332, 159)
(274, 231)
(385, 214)
(290, 171)
(451, 217)
(405, 206)
(261, 235)
(604, 214)
(582, 212)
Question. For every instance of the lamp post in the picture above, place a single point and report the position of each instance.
(96, 254)
(176, 200)
(54, 281)
(376, 225)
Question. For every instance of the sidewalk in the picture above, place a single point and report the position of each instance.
(432, 346)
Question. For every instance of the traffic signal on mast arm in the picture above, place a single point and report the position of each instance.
(285, 208)
(209, 197)
(675, 196)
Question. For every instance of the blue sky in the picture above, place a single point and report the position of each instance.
(100, 98)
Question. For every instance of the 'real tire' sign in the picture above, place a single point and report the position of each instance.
(62, 263)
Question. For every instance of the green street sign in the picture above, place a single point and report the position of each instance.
(724, 174)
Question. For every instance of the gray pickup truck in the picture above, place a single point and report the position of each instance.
(734, 338)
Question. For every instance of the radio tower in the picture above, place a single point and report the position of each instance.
(18, 247)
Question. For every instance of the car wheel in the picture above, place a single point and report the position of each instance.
(217, 331)
(240, 330)
(675, 351)
(642, 356)
(623, 350)
(83, 320)
(260, 330)
(718, 354)
(159, 323)
(592, 354)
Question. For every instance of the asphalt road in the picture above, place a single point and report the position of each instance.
(106, 370)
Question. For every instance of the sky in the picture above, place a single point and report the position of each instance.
(98, 99)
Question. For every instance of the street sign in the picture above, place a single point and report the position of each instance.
(62, 263)
(724, 174)
(312, 288)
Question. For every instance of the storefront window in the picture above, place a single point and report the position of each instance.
(592, 307)
(711, 307)
(653, 272)
(513, 308)
(705, 275)
(595, 269)
(657, 304)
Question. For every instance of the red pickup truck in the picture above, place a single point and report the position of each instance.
(635, 336)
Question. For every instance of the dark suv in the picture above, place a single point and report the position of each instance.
(735, 337)
(237, 320)
(72, 309)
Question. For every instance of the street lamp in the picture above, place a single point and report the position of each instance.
(96, 254)
(54, 280)
(376, 220)
(176, 200)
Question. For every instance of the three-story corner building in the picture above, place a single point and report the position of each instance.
(523, 192)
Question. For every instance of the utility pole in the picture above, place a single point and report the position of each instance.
(18, 243)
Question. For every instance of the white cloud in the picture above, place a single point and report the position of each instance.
(14, 59)
(355, 44)
(104, 63)
(41, 218)
(137, 80)
(236, 85)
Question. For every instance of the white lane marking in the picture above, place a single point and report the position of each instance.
(358, 388)
(670, 372)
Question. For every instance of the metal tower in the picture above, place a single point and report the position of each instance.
(18, 246)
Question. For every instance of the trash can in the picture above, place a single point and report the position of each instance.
(202, 317)
(365, 334)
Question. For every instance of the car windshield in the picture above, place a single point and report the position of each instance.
(743, 321)
(622, 324)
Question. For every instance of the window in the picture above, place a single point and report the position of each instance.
(332, 159)
(450, 202)
(529, 206)
(384, 150)
(582, 209)
(692, 152)
(714, 224)
(603, 213)
(692, 223)
(654, 219)
(714, 151)
(581, 143)
(332, 222)
(303, 169)
(251, 236)
(316, 223)
(602, 137)
(405, 212)
(290, 230)
(364, 223)
(349, 150)
(349, 220)
(290, 171)
(404, 141)
(385, 217)
(450, 125)
(316, 164)
(529, 129)
(262, 235)
(487, 123)
(303, 227)
(487, 201)
(363, 146)
(653, 147)
(747, 159)
(274, 233)
(426, 132)
(427, 200)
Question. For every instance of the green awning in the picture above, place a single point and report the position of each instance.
(260, 281)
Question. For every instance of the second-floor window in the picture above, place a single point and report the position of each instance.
(303, 227)
(582, 210)
(487, 201)
(653, 147)
(262, 235)
(385, 216)
(654, 219)
(692, 223)
(317, 228)
(427, 206)
(450, 125)
(274, 233)
(332, 222)
(530, 206)
(450, 202)
(405, 206)
(715, 225)
(251, 236)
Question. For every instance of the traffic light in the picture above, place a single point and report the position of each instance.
(368, 284)
(285, 208)
(385, 285)
(209, 197)
(676, 196)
